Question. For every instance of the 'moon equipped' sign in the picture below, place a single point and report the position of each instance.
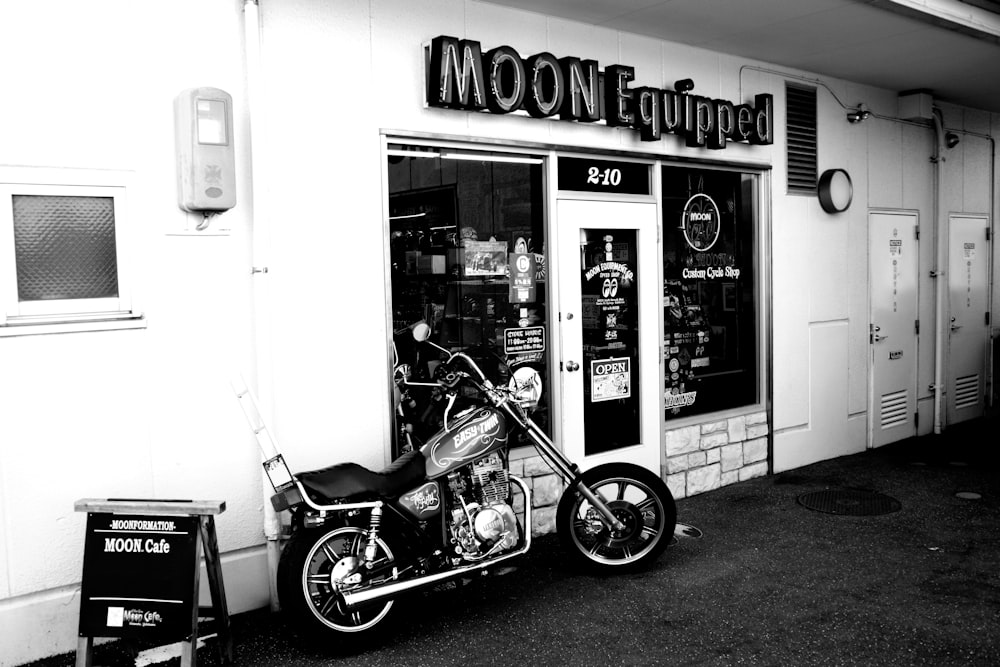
(461, 76)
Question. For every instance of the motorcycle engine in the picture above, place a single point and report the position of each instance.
(482, 521)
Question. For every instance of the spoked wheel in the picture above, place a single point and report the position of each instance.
(317, 567)
(637, 498)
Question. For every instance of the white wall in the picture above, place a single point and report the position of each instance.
(134, 413)
(891, 168)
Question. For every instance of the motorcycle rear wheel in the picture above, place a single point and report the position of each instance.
(638, 498)
(310, 597)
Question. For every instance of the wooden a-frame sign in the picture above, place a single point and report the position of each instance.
(141, 574)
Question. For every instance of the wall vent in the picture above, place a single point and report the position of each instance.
(966, 391)
(892, 412)
(800, 103)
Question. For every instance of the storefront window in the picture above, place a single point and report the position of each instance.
(467, 253)
(710, 323)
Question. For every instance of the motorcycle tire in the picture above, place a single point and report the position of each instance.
(312, 604)
(639, 499)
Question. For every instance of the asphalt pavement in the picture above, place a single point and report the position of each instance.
(758, 579)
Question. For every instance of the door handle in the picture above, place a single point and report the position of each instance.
(955, 327)
(572, 366)
(880, 338)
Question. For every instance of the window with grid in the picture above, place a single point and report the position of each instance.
(62, 250)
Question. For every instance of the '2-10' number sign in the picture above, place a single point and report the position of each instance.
(596, 176)
(592, 175)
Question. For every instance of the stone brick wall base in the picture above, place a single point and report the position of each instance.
(708, 456)
(697, 459)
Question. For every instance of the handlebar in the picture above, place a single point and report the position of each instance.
(447, 376)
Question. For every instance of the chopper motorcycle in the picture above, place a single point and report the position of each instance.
(446, 510)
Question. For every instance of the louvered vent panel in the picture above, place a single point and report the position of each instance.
(966, 391)
(893, 409)
(801, 133)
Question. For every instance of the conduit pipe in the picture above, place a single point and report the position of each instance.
(940, 259)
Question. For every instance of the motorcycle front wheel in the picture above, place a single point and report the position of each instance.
(309, 587)
(638, 498)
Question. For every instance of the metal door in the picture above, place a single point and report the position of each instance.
(968, 261)
(609, 300)
(893, 327)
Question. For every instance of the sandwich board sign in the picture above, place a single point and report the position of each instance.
(141, 573)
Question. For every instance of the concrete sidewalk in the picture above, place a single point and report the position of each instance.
(770, 582)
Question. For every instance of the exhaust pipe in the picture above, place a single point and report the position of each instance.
(382, 593)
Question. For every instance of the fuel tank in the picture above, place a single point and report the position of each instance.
(468, 438)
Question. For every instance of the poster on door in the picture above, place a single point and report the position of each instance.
(611, 379)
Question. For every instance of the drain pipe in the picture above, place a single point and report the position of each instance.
(938, 274)
(261, 287)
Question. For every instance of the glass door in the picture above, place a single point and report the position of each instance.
(609, 328)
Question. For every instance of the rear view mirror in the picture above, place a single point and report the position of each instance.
(526, 384)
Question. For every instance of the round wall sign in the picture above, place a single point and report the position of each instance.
(701, 222)
(835, 190)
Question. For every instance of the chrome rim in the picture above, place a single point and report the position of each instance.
(323, 593)
(635, 505)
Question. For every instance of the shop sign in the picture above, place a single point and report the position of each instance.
(523, 288)
(701, 222)
(460, 76)
(611, 379)
(134, 571)
(524, 341)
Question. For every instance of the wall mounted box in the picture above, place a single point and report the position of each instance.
(916, 106)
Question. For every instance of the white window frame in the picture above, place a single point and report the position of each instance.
(65, 315)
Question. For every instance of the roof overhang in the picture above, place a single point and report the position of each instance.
(950, 48)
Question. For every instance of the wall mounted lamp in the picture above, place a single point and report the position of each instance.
(951, 139)
(858, 115)
(835, 190)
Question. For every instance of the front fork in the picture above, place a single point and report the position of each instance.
(569, 471)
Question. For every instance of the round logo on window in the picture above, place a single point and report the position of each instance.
(701, 222)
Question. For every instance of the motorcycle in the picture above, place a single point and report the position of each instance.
(445, 510)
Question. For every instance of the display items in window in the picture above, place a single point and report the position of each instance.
(467, 252)
(709, 291)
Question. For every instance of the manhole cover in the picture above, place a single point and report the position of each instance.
(849, 502)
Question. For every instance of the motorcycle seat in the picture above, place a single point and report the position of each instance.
(354, 481)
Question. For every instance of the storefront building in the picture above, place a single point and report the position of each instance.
(721, 267)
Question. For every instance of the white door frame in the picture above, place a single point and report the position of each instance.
(572, 214)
